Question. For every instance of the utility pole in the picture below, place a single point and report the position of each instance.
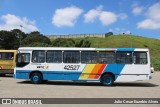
(20, 35)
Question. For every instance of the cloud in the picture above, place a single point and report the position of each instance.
(152, 20)
(120, 31)
(13, 22)
(123, 16)
(66, 16)
(137, 10)
(149, 24)
(153, 11)
(105, 17)
(93, 14)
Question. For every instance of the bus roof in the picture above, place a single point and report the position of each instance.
(8, 50)
(79, 48)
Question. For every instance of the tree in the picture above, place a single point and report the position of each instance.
(63, 42)
(36, 38)
(19, 35)
(83, 43)
(8, 40)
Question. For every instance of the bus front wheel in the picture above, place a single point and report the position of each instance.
(107, 80)
(36, 78)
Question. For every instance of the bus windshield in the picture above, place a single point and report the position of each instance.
(23, 59)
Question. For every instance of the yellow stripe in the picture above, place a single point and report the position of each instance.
(94, 71)
(88, 69)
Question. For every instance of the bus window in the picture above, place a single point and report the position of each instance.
(140, 58)
(89, 57)
(71, 57)
(54, 57)
(124, 57)
(38, 56)
(106, 57)
(23, 59)
(6, 55)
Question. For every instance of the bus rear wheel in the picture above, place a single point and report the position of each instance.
(36, 78)
(107, 80)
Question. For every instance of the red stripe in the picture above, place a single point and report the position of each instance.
(100, 71)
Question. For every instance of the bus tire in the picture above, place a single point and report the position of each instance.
(107, 80)
(36, 78)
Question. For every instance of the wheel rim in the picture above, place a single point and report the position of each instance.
(35, 78)
(108, 80)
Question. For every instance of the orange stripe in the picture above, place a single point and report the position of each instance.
(100, 71)
(94, 71)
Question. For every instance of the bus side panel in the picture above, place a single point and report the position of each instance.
(22, 74)
(60, 75)
(123, 78)
(134, 73)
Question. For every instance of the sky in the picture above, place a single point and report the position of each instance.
(59, 17)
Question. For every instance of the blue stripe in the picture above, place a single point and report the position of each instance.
(61, 76)
(126, 49)
(116, 69)
(23, 71)
(119, 70)
(50, 75)
(111, 68)
(22, 75)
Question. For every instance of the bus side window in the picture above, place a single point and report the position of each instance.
(54, 56)
(71, 56)
(106, 57)
(124, 58)
(38, 56)
(89, 57)
(140, 58)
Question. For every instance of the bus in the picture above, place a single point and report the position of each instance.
(7, 61)
(105, 65)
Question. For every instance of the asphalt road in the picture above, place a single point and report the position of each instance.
(12, 88)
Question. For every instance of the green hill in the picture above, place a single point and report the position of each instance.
(117, 41)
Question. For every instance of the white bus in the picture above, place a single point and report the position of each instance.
(105, 65)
